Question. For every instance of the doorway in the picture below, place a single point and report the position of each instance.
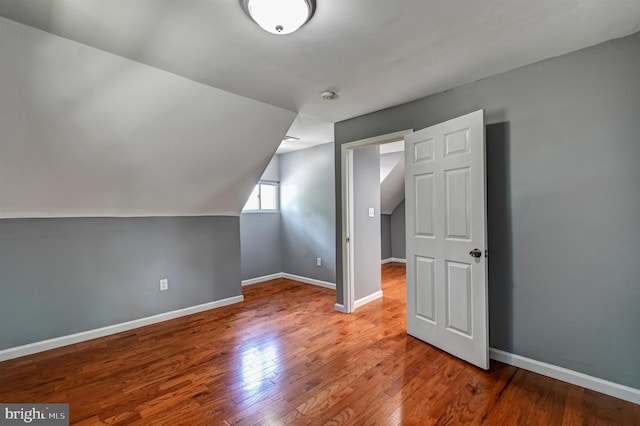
(445, 234)
(351, 238)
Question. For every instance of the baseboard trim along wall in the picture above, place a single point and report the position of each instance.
(313, 281)
(570, 376)
(616, 390)
(262, 279)
(370, 298)
(71, 339)
(305, 280)
(393, 259)
(340, 308)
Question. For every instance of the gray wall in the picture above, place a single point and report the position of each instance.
(563, 166)
(385, 236)
(398, 232)
(307, 207)
(366, 232)
(63, 276)
(260, 244)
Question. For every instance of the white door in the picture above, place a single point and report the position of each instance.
(446, 237)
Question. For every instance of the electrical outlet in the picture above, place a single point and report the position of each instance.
(319, 261)
(371, 212)
(164, 284)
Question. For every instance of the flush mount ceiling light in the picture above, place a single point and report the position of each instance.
(290, 139)
(279, 16)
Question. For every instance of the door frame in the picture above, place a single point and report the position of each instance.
(346, 162)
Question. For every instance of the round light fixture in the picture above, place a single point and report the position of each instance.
(279, 16)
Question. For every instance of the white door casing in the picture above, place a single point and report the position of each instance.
(445, 228)
(348, 216)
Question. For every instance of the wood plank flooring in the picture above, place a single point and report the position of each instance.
(284, 356)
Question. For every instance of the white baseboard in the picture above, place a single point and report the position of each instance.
(393, 260)
(262, 279)
(367, 299)
(306, 280)
(570, 376)
(71, 339)
(340, 308)
(616, 390)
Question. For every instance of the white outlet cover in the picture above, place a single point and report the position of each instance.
(371, 212)
(164, 284)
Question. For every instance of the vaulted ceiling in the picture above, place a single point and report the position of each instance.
(391, 180)
(87, 133)
(373, 53)
(145, 107)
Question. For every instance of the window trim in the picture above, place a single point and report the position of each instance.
(273, 183)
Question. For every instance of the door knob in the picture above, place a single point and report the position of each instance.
(475, 253)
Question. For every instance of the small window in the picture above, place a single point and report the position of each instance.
(264, 197)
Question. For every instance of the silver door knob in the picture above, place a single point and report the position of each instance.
(475, 253)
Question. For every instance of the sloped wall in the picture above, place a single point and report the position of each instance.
(392, 182)
(87, 133)
(89, 139)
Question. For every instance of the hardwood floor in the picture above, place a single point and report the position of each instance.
(285, 356)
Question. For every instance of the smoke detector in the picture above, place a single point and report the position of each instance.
(328, 95)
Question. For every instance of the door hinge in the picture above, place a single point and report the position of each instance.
(486, 253)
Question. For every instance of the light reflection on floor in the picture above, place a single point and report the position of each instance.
(259, 363)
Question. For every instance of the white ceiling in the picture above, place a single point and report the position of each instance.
(391, 181)
(373, 53)
(391, 147)
(86, 133)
